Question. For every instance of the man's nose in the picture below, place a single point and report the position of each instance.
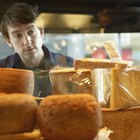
(27, 40)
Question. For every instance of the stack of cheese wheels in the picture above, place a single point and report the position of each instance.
(16, 81)
(17, 113)
(69, 117)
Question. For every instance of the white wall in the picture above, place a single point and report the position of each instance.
(4, 49)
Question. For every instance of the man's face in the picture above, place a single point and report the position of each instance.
(25, 39)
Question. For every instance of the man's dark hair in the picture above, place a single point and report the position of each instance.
(18, 13)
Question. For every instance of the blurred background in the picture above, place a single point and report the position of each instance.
(79, 28)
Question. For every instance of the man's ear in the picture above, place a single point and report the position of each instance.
(42, 32)
(9, 43)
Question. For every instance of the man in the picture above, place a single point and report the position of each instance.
(22, 34)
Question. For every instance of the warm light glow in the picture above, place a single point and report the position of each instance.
(95, 49)
(72, 21)
(77, 49)
(63, 43)
(56, 47)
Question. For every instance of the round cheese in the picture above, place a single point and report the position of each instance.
(69, 117)
(17, 113)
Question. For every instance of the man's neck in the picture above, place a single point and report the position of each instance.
(34, 61)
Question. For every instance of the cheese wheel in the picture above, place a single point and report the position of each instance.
(69, 117)
(16, 81)
(17, 113)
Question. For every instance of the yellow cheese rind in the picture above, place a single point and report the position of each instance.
(125, 87)
(92, 63)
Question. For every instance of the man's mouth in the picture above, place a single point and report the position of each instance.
(28, 50)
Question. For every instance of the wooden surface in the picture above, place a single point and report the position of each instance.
(35, 135)
(125, 123)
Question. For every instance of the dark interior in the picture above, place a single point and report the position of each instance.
(111, 15)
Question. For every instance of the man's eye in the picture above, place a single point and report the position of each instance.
(18, 36)
(31, 32)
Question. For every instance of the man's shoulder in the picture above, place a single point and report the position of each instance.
(55, 54)
(61, 59)
(58, 58)
(7, 61)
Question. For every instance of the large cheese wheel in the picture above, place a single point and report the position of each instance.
(17, 113)
(16, 81)
(69, 117)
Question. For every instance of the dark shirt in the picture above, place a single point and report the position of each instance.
(42, 86)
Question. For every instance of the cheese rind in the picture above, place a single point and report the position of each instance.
(125, 87)
(69, 80)
(92, 63)
(17, 113)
